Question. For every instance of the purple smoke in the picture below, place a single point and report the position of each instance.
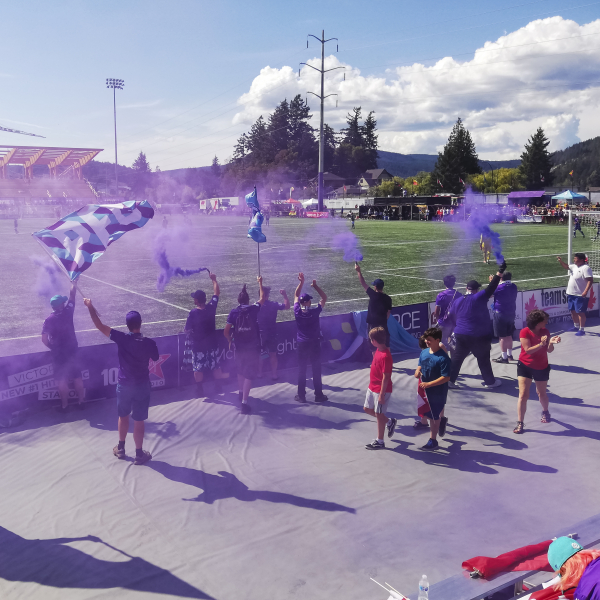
(479, 224)
(349, 244)
(167, 272)
(50, 280)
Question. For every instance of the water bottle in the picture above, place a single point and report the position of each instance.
(424, 588)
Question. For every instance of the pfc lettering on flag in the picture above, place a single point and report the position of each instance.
(82, 237)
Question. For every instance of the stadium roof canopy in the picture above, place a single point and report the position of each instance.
(71, 159)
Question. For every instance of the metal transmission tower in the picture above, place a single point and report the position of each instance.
(21, 132)
(321, 97)
(115, 84)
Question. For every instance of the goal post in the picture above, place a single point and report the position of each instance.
(586, 224)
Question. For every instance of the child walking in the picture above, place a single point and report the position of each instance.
(434, 371)
(380, 388)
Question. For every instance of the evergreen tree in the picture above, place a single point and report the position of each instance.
(370, 140)
(141, 176)
(215, 167)
(279, 130)
(536, 161)
(353, 134)
(330, 144)
(241, 147)
(458, 160)
(141, 164)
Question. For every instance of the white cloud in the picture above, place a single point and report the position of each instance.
(544, 74)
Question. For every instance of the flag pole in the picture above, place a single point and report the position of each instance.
(258, 255)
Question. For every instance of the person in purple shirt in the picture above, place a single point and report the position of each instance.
(577, 568)
(308, 339)
(505, 311)
(473, 330)
(242, 328)
(267, 322)
(58, 335)
(443, 302)
(133, 388)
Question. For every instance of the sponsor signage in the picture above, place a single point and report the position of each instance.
(315, 214)
(413, 318)
(554, 302)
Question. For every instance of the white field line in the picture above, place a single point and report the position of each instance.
(470, 262)
(286, 247)
(187, 310)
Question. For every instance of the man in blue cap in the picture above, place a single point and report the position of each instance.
(58, 334)
(308, 339)
(380, 305)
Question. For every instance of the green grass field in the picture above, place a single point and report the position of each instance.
(412, 258)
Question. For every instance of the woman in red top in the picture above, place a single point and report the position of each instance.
(533, 364)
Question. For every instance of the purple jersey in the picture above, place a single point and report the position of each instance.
(444, 300)
(589, 584)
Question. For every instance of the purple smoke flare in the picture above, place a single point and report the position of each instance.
(349, 244)
(479, 224)
(167, 272)
(49, 280)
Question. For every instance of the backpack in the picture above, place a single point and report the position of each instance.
(246, 330)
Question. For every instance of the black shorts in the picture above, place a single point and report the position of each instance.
(134, 400)
(246, 361)
(66, 366)
(535, 374)
(387, 333)
(503, 326)
(268, 343)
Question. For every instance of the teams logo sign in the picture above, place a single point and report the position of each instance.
(554, 301)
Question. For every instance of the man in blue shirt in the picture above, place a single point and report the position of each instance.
(473, 330)
(505, 311)
(133, 388)
(308, 339)
(267, 322)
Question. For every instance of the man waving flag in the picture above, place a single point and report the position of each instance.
(77, 240)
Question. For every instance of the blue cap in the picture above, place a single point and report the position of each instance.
(378, 283)
(305, 298)
(561, 550)
(57, 300)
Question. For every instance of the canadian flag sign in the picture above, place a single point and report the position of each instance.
(554, 301)
(422, 402)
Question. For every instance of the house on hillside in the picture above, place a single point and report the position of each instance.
(373, 177)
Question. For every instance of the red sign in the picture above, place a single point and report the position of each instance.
(314, 214)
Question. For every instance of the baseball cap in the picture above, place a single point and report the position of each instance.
(199, 295)
(561, 550)
(378, 283)
(473, 284)
(305, 298)
(57, 300)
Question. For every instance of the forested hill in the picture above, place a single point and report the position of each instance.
(405, 165)
(583, 159)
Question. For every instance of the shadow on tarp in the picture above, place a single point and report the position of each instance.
(569, 431)
(225, 485)
(452, 455)
(53, 563)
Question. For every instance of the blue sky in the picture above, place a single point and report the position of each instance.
(196, 72)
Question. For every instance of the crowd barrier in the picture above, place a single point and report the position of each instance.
(26, 380)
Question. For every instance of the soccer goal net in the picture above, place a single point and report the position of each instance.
(586, 224)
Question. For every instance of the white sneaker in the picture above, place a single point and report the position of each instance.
(453, 386)
(496, 384)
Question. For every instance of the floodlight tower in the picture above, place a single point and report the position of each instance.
(115, 84)
(321, 97)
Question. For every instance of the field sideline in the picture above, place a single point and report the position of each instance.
(412, 258)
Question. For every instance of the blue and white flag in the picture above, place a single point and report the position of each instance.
(82, 237)
(255, 231)
(252, 201)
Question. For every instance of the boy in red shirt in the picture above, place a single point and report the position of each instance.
(380, 388)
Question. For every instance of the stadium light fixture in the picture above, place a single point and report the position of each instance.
(115, 84)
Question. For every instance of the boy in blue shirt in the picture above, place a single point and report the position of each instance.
(434, 371)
